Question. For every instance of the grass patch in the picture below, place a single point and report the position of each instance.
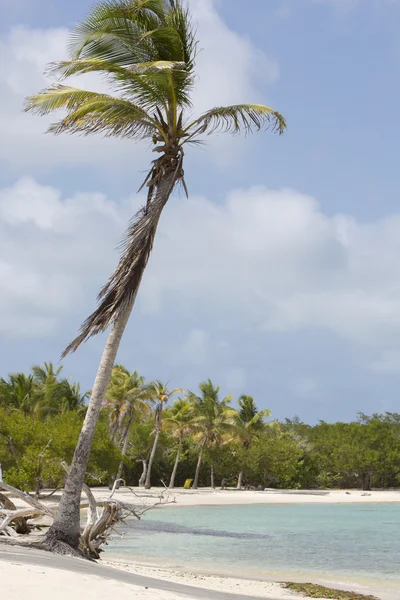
(313, 590)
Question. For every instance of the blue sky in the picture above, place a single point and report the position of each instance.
(279, 277)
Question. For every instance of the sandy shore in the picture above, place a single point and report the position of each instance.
(209, 497)
(27, 573)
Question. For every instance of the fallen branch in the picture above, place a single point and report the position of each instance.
(102, 516)
(46, 510)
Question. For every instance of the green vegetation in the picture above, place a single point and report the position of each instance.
(144, 434)
(311, 590)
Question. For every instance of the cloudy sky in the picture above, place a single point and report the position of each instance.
(280, 276)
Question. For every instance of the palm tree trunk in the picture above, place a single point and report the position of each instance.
(178, 454)
(142, 479)
(240, 481)
(66, 526)
(212, 478)
(147, 485)
(196, 477)
(124, 449)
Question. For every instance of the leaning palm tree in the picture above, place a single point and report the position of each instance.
(127, 399)
(178, 421)
(248, 423)
(146, 49)
(160, 394)
(212, 421)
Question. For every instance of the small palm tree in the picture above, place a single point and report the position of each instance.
(213, 419)
(127, 398)
(178, 421)
(248, 422)
(146, 49)
(160, 394)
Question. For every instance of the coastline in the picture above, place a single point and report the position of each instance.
(52, 576)
(216, 497)
(262, 587)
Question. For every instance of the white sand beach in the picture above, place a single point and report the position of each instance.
(211, 497)
(27, 573)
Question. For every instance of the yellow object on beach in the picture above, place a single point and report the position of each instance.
(188, 483)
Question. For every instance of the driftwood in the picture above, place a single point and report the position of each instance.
(102, 516)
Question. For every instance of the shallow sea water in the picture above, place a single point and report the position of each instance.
(351, 544)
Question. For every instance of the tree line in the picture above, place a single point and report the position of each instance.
(148, 435)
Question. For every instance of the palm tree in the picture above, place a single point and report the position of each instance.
(178, 421)
(159, 394)
(146, 49)
(56, 396)
(19, 392)
(248, 423)
(212, 420)
(126, 398)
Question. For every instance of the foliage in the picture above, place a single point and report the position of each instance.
(32, 449)
(41, 415)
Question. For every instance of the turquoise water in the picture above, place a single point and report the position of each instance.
(357, 544)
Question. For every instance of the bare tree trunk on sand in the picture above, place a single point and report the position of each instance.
(66, 526)
(124, 451)
(240, 481)
(147, 485)
(178, 454)
(212, 478)
(196, 477)
(143, 476)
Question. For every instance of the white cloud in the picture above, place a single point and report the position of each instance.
(263, 261)
(231, 78)
(229, 65)
(25, 55)
(389, 362)
(272, 261)
(53, 251)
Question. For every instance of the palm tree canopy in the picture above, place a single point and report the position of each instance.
(127, 396)
(249, 421)
(178, 419)
(146, 51)
(213, 417)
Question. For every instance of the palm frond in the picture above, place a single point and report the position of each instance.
(90, 112)
(133, 31)
(239, 117)
(120, 291)
(113, 30)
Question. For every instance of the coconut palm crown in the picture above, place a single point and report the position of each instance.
(146, 49)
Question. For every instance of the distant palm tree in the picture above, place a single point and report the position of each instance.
(19, 392)
(247, 424)
(56, 396)
(178, 420)
(47, 374)
(213, 419)
(146, 49)
(160, 394)
(127, 399)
